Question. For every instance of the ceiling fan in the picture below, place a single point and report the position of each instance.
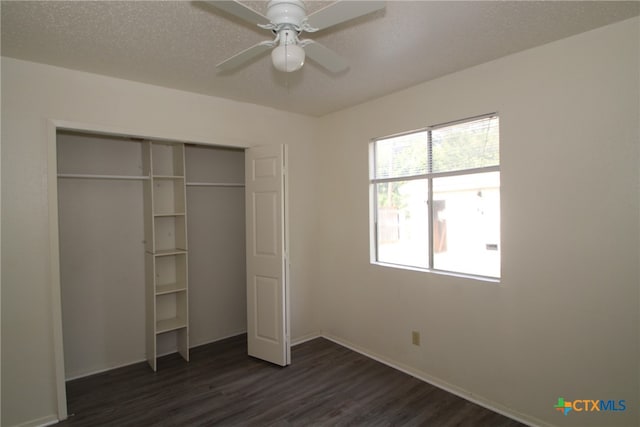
(287, 19)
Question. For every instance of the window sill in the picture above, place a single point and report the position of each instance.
(439, 272)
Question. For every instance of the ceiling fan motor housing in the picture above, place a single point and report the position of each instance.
(286, 12)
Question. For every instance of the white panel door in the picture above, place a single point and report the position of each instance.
(267, 264)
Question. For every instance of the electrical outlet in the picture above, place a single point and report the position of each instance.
(415, 338)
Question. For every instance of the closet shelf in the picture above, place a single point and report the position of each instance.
(167, 252)
(170, 288)
(214, 184)
(168, 214)
(168, 177)
(167, 325)
(94, 176)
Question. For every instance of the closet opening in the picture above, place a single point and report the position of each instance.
(103, 240)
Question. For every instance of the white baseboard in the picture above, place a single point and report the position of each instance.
(224, 337)
(436, 382)
(305, 338)
(144, 359)
(40, 422)
(101, 370)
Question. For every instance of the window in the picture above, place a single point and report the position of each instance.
(436, 198)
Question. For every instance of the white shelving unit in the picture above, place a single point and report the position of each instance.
(167, 301)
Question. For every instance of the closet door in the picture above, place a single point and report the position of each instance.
(267, 265)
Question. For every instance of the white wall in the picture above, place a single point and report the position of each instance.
(31, 95)
(563, 322)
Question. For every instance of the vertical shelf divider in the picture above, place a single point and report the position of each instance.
(167, 301)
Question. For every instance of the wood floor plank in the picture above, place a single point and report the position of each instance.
(326, 385)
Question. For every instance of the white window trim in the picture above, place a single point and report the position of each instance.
(373, 198)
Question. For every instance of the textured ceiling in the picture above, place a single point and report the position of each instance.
(178, 44)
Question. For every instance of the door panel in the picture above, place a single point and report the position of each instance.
(266, 224)
(267, 287)
(266, 294)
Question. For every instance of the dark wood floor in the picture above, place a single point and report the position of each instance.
(326, 384)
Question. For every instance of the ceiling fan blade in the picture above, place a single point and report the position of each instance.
(245, 56)
(240, 10)
(342, 11)
(325, 56)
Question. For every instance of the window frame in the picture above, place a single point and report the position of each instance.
(429, 177)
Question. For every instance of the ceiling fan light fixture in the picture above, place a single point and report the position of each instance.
(288, 58)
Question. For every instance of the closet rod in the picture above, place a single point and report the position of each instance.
(213, 184)
(91, 176)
